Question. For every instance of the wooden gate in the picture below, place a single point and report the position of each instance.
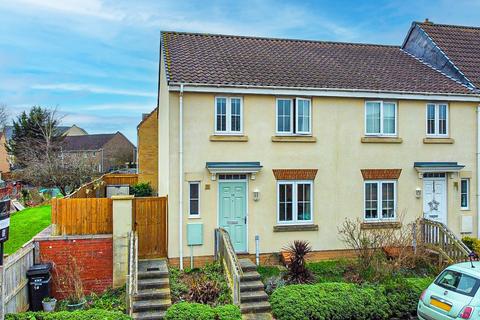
(150, 216)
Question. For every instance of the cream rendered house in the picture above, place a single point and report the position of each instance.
(279, 140)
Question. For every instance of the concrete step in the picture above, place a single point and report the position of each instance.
(255, 307)
(151, 305)
(250, 276)
(257, 316)
(251, 286)
(156, 315)
(153, 283)
(253, 296)
(152, 294)
(247, 265)
(152, 274)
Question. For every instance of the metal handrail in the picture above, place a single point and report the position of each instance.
(439, 236)
(225, 253)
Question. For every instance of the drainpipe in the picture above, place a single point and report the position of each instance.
(180, 176)
(478, 171)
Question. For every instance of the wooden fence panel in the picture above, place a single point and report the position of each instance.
(15, 282)
(82, 216)
(150, 216)
(120, 178)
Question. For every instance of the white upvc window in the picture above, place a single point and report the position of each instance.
(380, 118)
(465, 194)
(194, 199)
(228, 115)
(295, 202)
(380, 200)
(293, 116)
(437, 119)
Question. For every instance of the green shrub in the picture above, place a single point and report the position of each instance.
(335, 301)
(472, 243)
(396, 298)
(92, 314)
(403, 295)
(142, 189)
(196, 311)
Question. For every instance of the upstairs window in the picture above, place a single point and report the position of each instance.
(380, 200)
(380, 118)
(293, 116)
(437, 119)
(228, 115)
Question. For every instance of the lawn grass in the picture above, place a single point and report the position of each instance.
(323, 271)
(25, 224)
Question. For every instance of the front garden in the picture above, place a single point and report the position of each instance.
(201, 293)
(384, 282)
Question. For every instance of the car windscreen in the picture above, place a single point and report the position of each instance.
(458, 282)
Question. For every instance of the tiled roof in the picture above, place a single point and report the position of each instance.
(461, 44)
(86, 142)
(248, 61)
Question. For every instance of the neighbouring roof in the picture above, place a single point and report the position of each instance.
(86, 142)
(8, 130)
(248, 61)
(461, 44)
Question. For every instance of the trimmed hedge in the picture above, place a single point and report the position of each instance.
(324, 301)
(347, 301)
(196, 311)
(92, 314)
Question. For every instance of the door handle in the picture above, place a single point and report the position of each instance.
(245, 220)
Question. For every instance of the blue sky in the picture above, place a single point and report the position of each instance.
(97, 60)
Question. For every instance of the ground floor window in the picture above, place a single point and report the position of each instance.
(380, 200)
(194, 199)
(295, 201)
(465, 194)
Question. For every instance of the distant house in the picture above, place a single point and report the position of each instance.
(65, 131)
(106, 151)
(147, 162)
(4, 159)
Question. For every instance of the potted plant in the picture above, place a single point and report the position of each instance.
(68, 281)
(49, 304)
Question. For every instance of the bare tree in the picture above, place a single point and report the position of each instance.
(3, 115)
(37, 148)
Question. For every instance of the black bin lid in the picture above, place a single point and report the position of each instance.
(39, 269)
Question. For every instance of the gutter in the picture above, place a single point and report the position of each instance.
(478, 171)
(180, 176)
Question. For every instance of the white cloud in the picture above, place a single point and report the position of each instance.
(93, 8)
(92, 89)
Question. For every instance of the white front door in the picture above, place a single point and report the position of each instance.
(435, 199)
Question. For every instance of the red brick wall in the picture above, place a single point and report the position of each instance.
(93, 258)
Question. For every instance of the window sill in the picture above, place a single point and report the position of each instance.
(438, 140)
(302, 139)
(228, 138)
(380, 225)
(381, 140)
(295, 227)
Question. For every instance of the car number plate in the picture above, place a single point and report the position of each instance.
(439, 304)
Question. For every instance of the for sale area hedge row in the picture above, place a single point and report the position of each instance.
(346, 301)
(91, 314)
(196, 311)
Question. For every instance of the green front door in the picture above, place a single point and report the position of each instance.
(233, 212)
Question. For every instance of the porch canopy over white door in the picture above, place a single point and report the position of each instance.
(434, 176)
(233, 168)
